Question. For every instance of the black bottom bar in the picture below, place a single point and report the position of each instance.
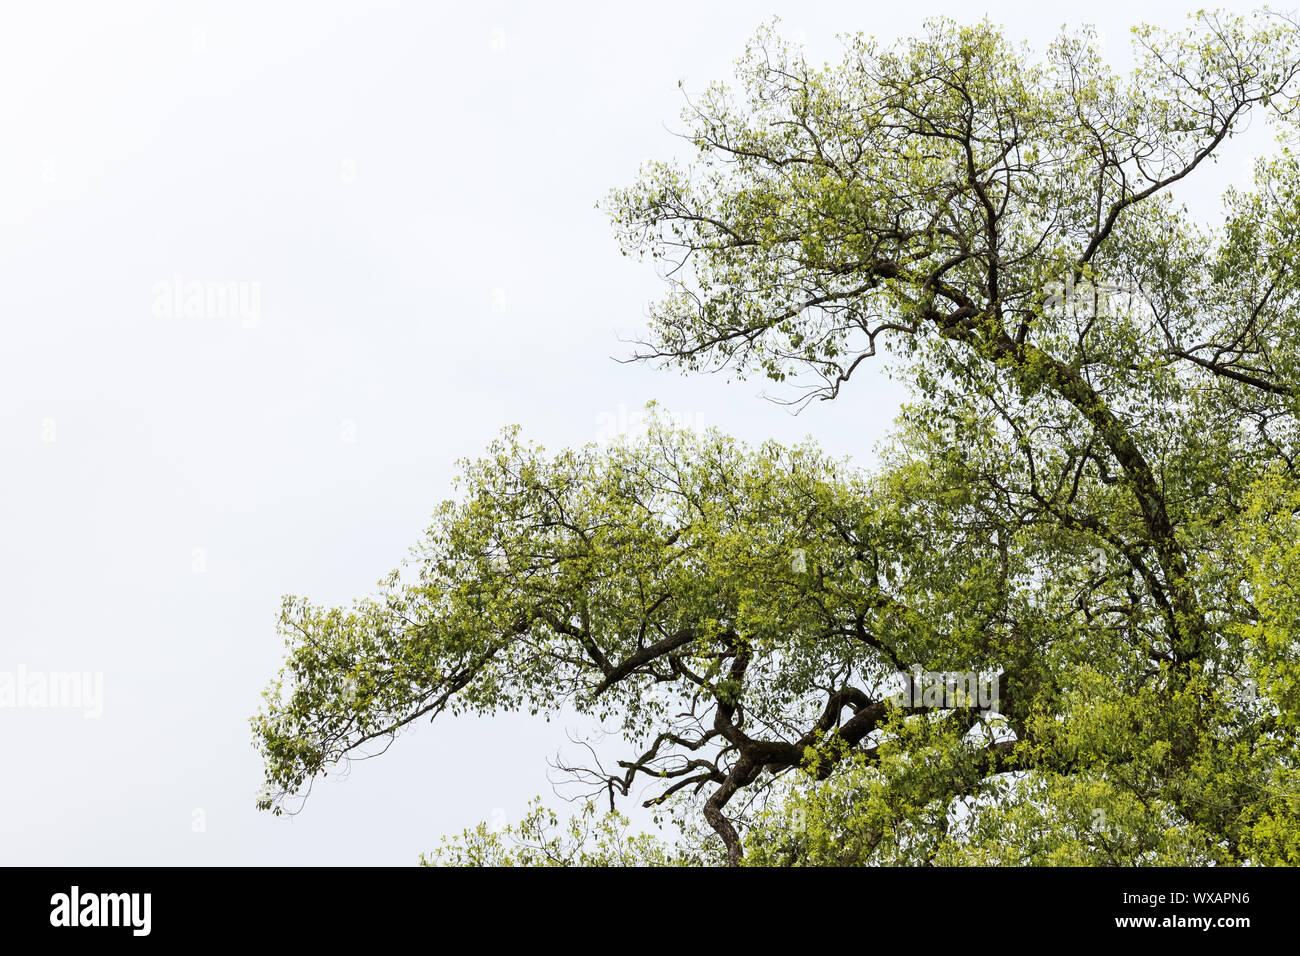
(333, 905)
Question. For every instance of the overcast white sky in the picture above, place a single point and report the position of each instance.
(411, 187)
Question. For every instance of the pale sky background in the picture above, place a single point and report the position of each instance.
(412, 186)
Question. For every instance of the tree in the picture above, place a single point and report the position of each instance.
(1079, 547)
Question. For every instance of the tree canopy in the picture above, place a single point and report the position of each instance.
(1088, 505)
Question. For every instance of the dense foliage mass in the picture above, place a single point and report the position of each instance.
(1089, 506)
